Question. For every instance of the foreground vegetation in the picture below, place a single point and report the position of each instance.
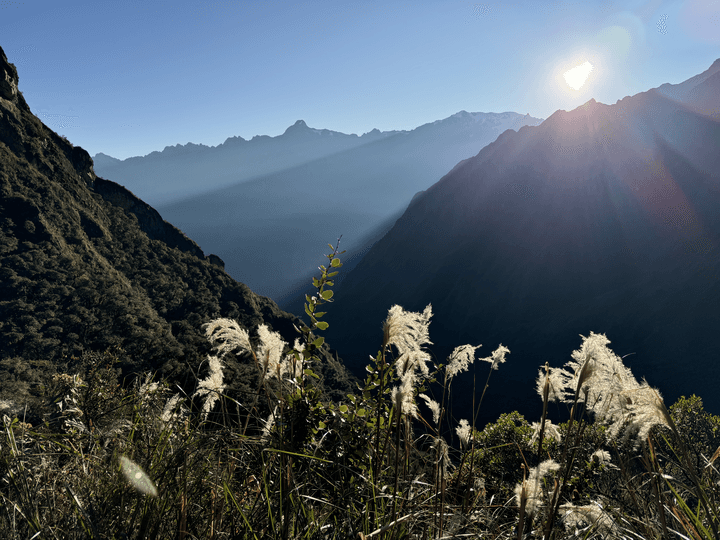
(145, 460)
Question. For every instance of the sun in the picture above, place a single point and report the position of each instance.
(577, 76)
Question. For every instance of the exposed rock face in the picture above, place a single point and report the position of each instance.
(217, 261)
(8, 79)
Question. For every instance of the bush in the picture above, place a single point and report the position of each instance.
(143, 460)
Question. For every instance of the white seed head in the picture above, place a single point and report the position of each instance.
(532, 488)
(434, 407)
(463, 431)
(552, 431)
(269, 353)
(212, 386)
(497, 357)
(226, 336)
(460, 359)
(407, 330)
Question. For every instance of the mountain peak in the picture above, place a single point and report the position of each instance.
(298, 127)
(587, 108)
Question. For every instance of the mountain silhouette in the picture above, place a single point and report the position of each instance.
(88, 267)
(181, 171)
(352, 192)
(605, 218)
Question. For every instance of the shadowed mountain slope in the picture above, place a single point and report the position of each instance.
(182, 171)
(605, 218)
(268, 229)
(87, 266)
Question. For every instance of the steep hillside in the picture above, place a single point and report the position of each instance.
(605, 218)
(87, 266)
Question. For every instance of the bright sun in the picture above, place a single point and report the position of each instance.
(577, 76)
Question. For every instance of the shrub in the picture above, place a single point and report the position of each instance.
(142, 460)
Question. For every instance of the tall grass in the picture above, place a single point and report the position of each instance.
(144, 461)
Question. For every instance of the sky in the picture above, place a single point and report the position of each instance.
(130, 77)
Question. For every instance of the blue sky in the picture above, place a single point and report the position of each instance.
(126, 78)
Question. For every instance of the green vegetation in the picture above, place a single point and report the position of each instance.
(145, 459)
(92, 270)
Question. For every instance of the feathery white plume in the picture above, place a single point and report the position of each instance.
(211, 386)
(460, 359)
(402, 396)
(434, 407)
(170, 414)
(269, 353)
(552, 431)
(463, 431)
(497, 357)
(597, 376)
(533, 485)
(582, 518)
(408, 331)
(226, 335)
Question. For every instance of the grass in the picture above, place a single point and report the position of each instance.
(143, 460)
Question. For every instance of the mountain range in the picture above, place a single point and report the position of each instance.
(605, 218)
(88, 268)
(300, 190)
(170, 175)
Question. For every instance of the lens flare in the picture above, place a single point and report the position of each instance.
(577, 76)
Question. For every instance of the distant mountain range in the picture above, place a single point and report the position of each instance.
(87, 267)
(605, 219)
(180, 171)
(271, 203)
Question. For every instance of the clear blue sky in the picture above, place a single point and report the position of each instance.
(126, 78)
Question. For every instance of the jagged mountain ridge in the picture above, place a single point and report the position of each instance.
(353, 193)
(605, 218)
(167, 176)
(87, 266)
(170, 175)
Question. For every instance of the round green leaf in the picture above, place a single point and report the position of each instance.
(310, 373)
(327, 295)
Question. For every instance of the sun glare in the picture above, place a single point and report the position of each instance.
(577, 76)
